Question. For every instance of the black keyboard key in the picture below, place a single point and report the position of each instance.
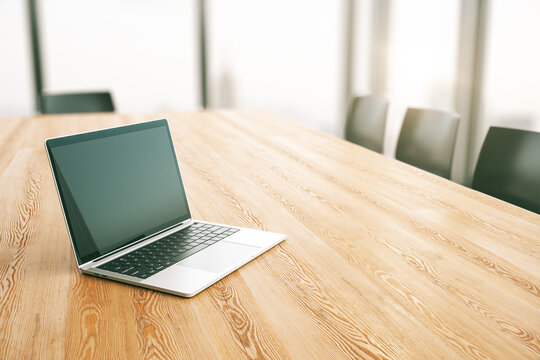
(126, 270)
(220, 230)
(189, 252)
(134, 272)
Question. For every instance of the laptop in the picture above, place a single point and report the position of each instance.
(128, 217)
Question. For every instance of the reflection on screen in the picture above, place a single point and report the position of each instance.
(118, 187)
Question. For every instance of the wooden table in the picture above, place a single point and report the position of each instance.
(382, 260)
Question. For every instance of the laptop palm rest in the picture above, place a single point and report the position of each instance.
(193, 274)
(220, 257)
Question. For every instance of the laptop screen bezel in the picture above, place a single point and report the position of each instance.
(99, 134)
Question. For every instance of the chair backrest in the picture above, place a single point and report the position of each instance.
(366, 122)
(427, 140)
(76, 103)
(508, 167)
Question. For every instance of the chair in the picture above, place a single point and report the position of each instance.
(427, 140)
(76, 103)
(366, 122)
(508, 167)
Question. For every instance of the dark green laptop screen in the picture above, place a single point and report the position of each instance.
(118, 186)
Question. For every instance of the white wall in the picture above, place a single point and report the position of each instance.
(16, 82)
(286, 57)
(283, 56)
(363, 45)
(422, 59)
(143, 52)
(512, 69)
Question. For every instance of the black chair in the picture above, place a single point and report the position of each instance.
(427, 140)
(366, 122)
(508, 167)
(76, 103)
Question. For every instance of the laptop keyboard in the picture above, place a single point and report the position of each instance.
(152, 258)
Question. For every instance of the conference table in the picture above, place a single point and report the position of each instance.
(381, 261)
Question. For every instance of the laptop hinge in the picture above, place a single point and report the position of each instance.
(147, 239)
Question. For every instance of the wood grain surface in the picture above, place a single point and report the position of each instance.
(381, 261)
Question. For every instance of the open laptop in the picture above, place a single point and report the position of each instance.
(127, 213)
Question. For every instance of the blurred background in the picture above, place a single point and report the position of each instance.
(300, 59)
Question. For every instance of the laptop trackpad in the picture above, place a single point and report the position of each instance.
(220, 257)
